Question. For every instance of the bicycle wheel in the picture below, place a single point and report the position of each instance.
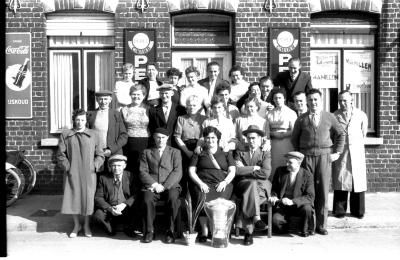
(15, 183)
(30, 176)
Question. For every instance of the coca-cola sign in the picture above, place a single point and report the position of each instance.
(17, 50)
(18, 76)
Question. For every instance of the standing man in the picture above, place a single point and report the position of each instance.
(166, 113)
(293, 195)
(319, 136)
(251, 185)
(293, 80)
(151, 82)
(349, 172)
(212, 80)
(300, 102)
(108, 124)
(114, 198)
(160, 173)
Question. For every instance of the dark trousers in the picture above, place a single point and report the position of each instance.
(109, 222)
(320, 167)
(357, 203)
(148, 207)
(247, 191)
(281, 215)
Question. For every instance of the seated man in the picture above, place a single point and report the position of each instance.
(115, 197)
(252, 186)
(160, 172)
(293, 195)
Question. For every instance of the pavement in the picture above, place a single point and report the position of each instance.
(41, 213)
(37, 230)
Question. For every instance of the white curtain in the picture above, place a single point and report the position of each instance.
(61, 91)
(104, 75)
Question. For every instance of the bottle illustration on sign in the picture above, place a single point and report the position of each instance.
(19, 78)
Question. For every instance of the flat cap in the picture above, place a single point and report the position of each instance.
(253, 129)
(296, 155)
(162, 130)
(165, 87)
(103, 92)
(117, 157)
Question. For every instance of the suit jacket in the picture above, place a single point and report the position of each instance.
(105, 190)
(303, 188)
(206, 83)
(166, 170)
(302, 83)
(245, 165)
(327, 137)
(157, 119)
(146, 83)
(116, 133)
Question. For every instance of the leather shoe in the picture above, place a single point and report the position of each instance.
(311, 232)
(248, 239)
(339, 215)
(202, 239)
(129, 232)
(322, 231)
(260, 225)
(304, 234)
(169, 237)
(148, 237)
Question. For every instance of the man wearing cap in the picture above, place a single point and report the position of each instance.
(319, 136)
(166, 113)
(115, 197)
(293, 195)
(108, 124)
(252, 187)
(160, 172)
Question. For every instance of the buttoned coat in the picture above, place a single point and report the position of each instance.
(166, 170)
(116, 133)
(80, 156)
(245, 167)
(157, 119)
(302, 83)
(303, 192)
(350, 169)
(105, 190)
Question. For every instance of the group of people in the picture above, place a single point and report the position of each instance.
(266, 141)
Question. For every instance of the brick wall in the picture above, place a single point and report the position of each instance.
(26, 134)
(252, 23)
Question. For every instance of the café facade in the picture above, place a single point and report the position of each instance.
(68, 49)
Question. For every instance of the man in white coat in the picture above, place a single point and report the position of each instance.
(349, 171)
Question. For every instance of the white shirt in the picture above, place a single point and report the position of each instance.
(153, 92)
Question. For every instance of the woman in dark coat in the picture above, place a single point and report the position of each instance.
(212, 172)
(80, 156)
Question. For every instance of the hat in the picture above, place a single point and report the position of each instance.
(103, 92)
(117, 157)
(165, 87)
(253, 129)
(296, 155)
(162, 130)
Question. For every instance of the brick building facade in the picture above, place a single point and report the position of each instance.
(249, 45)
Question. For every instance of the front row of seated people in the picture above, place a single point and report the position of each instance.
(241, 175)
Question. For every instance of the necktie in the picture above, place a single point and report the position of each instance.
(166, 112)
(314, 119)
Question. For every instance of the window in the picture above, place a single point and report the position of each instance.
(343, 58)
(200, 38)
(79, 65)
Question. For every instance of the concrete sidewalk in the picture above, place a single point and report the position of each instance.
(40, 213)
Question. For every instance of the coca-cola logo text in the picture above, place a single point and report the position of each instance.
(17, 50)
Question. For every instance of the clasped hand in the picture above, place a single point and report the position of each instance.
(157, 188)
(117, 209)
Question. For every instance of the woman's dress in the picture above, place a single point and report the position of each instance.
(280, 120)
(210, 175)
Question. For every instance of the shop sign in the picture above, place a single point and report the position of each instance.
(324, 68)
(358, 70)
(18, 76)
(140, 49)
(284, 44)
